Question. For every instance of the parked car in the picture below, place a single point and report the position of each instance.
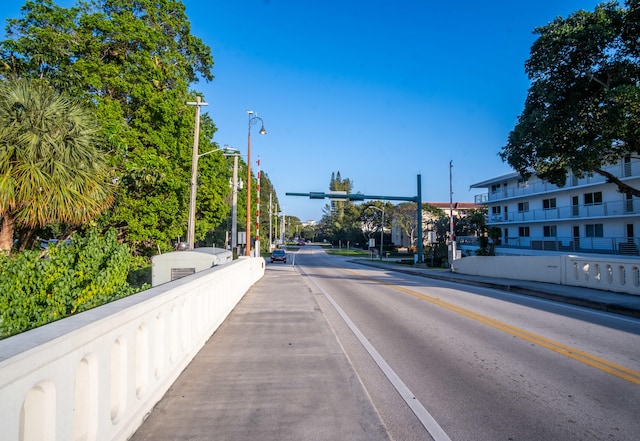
(279, 255)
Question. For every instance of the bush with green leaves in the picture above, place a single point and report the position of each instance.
(41, 286)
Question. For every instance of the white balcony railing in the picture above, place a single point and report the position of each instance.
(567, 212)
(623, 171)
(600, 245)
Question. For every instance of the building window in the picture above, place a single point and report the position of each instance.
(495, 188)
(549, 204)
(594, 230)
(495, 210)
(550, 231)
(593, 198)
(627, 166)
(523, 231)
(523, 206)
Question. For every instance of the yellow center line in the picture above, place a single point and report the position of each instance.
(568, 351)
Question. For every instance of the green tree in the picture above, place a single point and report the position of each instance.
(406, 219)
(309, 232)
(582, 111)
(134, 61)
(473, 224)
(341, 220)
(371, 219)
(293, 225)
(51, 165)
(266, 189)
(338, 184)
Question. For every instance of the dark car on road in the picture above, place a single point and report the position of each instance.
(278, 256)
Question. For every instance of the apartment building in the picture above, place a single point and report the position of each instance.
(587, 215)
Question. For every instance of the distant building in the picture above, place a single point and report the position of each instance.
(458, 209)
(588, 215)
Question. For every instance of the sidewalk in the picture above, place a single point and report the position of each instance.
(624, 304)
(273, 371)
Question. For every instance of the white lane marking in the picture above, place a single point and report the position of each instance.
(418, 409)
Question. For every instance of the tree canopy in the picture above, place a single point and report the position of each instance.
(372, 218)
(51, 165)
(582, 112)
(134, 62)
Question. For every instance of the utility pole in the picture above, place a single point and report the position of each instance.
(452, 236)
(270, 218)
(191, 229)
(257, 246)
(234, 206)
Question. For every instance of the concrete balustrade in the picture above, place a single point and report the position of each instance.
(96, 375)
(597, 272)
(607, 274)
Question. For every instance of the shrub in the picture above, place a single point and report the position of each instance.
(38, 287)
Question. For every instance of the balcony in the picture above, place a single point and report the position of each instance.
(600, 245)
(591, 245)
(536, 187)
(569, 212)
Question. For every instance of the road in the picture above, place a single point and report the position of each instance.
(447, 361)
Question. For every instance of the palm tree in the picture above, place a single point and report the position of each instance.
(51, 165)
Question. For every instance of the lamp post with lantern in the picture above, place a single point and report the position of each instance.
(253, 118)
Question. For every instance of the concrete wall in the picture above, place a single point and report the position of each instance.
(96, 375)
(187, 262)
(597, 272)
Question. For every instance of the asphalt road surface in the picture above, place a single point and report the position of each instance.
(446, 361)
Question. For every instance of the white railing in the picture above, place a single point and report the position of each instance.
(607, 274)
(629, 246)
(612, 208)
(597, 272)
(96, 375)
(537, 186)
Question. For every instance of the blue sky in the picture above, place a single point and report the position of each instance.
(381, 90)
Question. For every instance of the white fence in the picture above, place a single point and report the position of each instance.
(95, 376)
(597, 272)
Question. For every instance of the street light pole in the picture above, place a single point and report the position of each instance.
(230, 151)
(234, 205)
(270, 220)
(452, 235)
(191, 229)
(382, 234)
(252, 119)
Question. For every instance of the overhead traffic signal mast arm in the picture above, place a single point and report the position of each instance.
(353, 196)
(361, 197)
